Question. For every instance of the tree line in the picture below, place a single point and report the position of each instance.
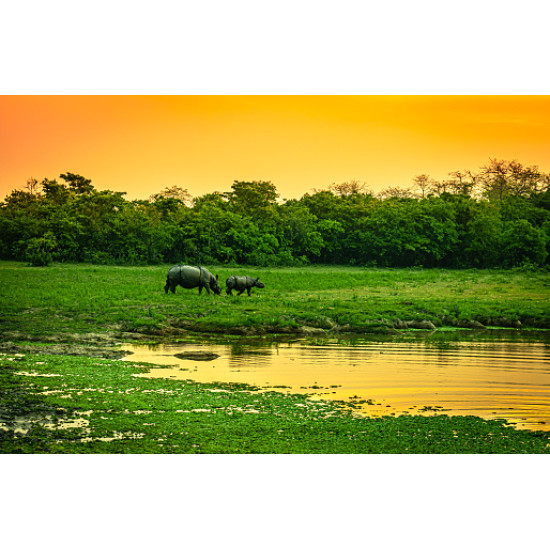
(498, 216)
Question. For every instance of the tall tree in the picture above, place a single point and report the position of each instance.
(396, 192)
(175, 193)
(248, 196)
(32, 186)
(79, 184)
(463, 183)
(524, 180)
(495, 179)
(347, 188)
(423, 182)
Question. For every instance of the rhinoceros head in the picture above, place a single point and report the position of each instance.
(215, 286)
(258, 283)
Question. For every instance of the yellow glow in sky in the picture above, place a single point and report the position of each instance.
(142, 144)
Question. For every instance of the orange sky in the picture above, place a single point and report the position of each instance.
(142, 144)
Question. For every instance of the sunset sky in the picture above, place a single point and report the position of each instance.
(142, 144)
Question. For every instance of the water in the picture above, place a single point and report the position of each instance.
(491, 379)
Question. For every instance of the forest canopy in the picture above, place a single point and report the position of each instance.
(498, 216)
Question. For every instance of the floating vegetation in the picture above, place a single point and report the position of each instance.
(110, 410)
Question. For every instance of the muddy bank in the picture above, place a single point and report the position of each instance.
(104, 344)
(197, 356)
(86, 344)
(89, 338)
(63, 349)
(326, 326)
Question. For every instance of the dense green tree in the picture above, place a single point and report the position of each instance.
(299, 231)
(521, 243)
(216, 198)
(481, 239)
(56, 193)
(249, 196)
(449, 227)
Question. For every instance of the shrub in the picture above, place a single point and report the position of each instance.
(39, 250)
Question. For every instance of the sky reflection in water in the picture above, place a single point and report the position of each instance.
(509, 380)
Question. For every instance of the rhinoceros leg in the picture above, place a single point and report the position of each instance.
(170, 285)
(241, 292)
(248, 289)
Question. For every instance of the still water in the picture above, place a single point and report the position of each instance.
(491, 379)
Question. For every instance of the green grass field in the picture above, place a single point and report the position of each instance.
(84, 298)
(62, 403)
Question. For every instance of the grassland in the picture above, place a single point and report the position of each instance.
(63, 391)
(68, 299)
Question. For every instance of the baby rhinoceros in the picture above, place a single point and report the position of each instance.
(242, 283)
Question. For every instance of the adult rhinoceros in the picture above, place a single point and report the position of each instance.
(189, 276)
(242, 283)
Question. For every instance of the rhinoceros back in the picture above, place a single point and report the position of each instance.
(187, 276)
(241, 282)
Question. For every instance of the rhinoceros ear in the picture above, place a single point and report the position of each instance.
(216, 277)
(257, 278)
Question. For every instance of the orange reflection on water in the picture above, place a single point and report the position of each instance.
(508, 380)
